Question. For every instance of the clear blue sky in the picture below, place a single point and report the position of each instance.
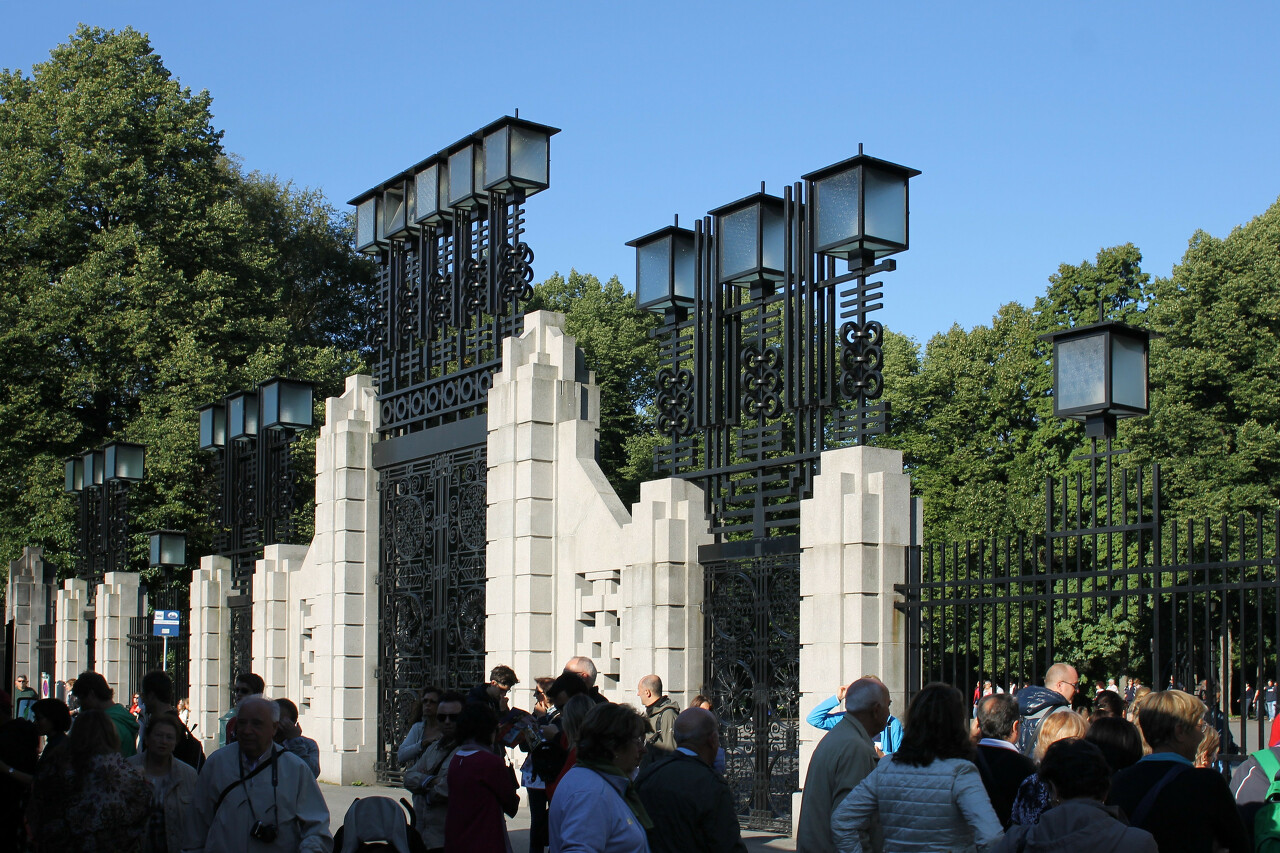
(1045, 131)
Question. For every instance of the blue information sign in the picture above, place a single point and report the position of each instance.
(165, 624)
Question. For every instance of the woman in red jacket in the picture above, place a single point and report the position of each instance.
(481, 788)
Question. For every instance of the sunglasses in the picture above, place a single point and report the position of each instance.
(447, 717)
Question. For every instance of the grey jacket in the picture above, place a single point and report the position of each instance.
(1074, 826)
(844, 757)
(941, 806)
(179, 791)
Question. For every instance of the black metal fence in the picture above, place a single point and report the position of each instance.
(45, 644)
(148, 652)
(1110, 586)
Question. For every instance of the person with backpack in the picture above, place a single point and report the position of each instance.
(1061, 682)
(1186, 808)
(1253, 785)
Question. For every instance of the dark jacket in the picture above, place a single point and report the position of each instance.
(1002, 772)
(1034, 704)
(1191, 812)
(691, 807)
(661, 739)
(1074, 826)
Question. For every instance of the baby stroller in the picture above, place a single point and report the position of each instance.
(378, 825)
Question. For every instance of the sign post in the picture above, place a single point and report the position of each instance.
(165, 624)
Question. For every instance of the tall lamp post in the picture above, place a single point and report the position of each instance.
(250, 434)
(101, 480)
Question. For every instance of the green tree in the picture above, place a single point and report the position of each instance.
(143, 274)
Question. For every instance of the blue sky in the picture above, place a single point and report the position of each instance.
(1045, 131)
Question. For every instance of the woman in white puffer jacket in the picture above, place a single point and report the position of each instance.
(927, 795)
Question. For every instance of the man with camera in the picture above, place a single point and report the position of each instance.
(254, 795)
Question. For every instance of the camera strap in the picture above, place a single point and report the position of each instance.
(275, 780)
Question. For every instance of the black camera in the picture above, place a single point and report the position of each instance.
(264, 832)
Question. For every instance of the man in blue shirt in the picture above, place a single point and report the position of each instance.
(831, 711)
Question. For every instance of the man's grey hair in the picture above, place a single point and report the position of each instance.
(695, 725)
(864, 694)
(586, 665)
(255, 699)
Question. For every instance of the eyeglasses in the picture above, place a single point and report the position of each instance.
(444, 718)
(243, 691)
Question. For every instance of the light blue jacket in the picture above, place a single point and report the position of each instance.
(589, 815)
(825, 716)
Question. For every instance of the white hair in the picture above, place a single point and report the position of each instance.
(259, 699)
(864, 694)
(586, 665)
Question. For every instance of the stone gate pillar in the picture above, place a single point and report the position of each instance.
(118, 601)
(71, 634)
(29, 605)
(855, 534)
(210, 650)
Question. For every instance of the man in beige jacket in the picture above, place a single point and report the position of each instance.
(842, 759)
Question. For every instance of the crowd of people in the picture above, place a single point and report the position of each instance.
(1045, 768)
(1036, 770)
(598, 776)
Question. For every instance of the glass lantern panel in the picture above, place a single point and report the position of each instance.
(366, 223)
(837, 209)
(74, 475)
(477, 165)
(737, 236)
(410, 202)
(529, 155)
(1082, 367)
(461, 174)
(125, 461)
(428, 191)
(295, 404)
(495, 155)
(1128, 372)
(213, 427)
(242, 415)
(653, 270)
(92, 468)
(774, 236)
(442, 188)
(168, 549)
(392, 213)
(885, 203)
(684, 267)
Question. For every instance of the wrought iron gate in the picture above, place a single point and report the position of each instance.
(453, 281)
(753, 646)
(768, 357)
(1111, 586)
(45, 645)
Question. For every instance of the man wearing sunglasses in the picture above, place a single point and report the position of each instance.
(427, 779)
(246, 684)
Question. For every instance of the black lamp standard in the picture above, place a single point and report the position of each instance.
(101, 480)
(251, 434)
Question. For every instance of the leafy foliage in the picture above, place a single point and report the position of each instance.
(143, 274)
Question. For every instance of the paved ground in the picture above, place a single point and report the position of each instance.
(340, 798)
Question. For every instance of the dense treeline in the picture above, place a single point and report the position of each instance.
(143, 274)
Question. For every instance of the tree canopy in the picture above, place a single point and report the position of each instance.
(143, 274)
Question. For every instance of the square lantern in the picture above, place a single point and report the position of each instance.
(286, 404)
(367, 221)
(466, 175)
(74, 474)
(750, 240)
(431, 186)
(123, 460)
(213, 426)
(860, 208)
(664, 269)
(168, 549)
(394, 220)
(92, 468)
(242, 415)
(1100, 374)
(517, 154)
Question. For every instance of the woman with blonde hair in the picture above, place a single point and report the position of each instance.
(1184, 807)
(1034, 796)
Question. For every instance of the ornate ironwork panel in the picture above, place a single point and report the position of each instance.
(753, 672)
(448, 296)
(431, 584)
(756, 382)
(103, 530)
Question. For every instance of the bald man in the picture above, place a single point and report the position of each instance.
(843, 758)
(660, 712)
(691, 806)
(1061, 681)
